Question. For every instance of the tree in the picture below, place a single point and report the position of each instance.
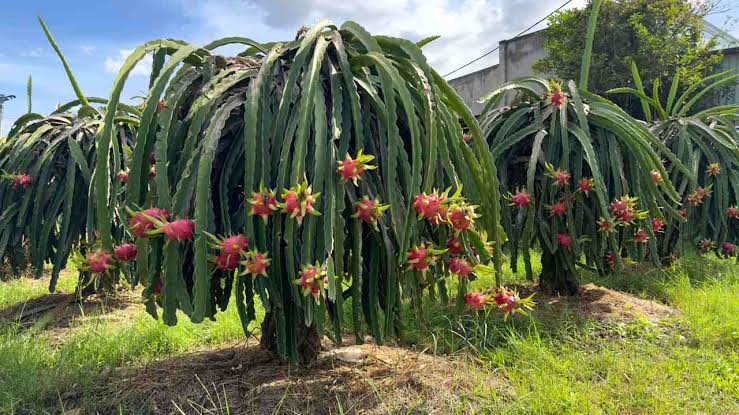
(662, 37)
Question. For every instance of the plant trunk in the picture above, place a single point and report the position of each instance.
(556, 277)
(308, 340)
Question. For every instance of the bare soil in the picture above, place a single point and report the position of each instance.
(366, 379)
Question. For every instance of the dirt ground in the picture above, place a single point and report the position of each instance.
(353, 379)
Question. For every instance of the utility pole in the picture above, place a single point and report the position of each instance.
(3, 98)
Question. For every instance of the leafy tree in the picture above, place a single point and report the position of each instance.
(662, 37)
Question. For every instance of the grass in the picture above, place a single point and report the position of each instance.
(555, 363)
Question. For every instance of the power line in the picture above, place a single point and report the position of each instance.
(498, 47)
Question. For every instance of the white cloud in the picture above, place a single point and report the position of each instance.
(32, 53)
(468, 28)
(113, 64)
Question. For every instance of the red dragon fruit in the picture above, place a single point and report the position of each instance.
(461, 217)
(521, 199)
(417, 258)
(466, 138)
(556, 97)
(561, 177)
(657, 225)
(501, 295)
(369, 210)
(585, 185)
(126, 252)
(312, 280)
(234, 245)
(99, 261)
(299, 202)
(257, 263)
(227, 262)
(152, 158)
(454, 245)
(430, 207)
(179, 230)
(22, 180)
(564, 240)
(263, 203)
(714, 169)
(705, 245)
(351, 168)
(141, 222)
(122, 176)
(160, 106)
(605, 226)
(610, 258)
(475, 300)
(558, 209)
(732, 212)
(152, 173)
(459, 267)
(641, 236)
(683, 213)
(729, 249)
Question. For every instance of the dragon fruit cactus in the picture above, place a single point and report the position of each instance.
(350, 169)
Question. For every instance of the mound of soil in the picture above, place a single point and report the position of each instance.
(364, 379)
(59, 310)
(605, 305)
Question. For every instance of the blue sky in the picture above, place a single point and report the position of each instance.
(96, 35)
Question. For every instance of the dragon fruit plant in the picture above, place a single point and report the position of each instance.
(45, 191)
(307, 159)
(706, 142)
(578, 174)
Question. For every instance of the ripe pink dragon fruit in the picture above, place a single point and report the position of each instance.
(351, 168)
(141, 222)
(564, 240)
(257, 263)
(459, 267)
(179, 230)
(227, 262)
(125, 252)
(291, 203)
(369, 210)
(475, 300)
(466, 138)
(299, 201)
(561, 177)
(585, 185)
(728, 248)
(732, 212)
(683, 213)
(158, 287)
(656, 176)
(558, 209)
(160, 106)
(430, 207)
(454, 245)
(714, 169)
(122, 176)
(22, 180)
(641, 236)
(705, 245)
(264, 204)
(556, 98)
(521, 199)
(657, 225)
(152, 158)
(99, 261)
(624, 209)
(501, 296)
(234, 245)
(312, 280)
(461, 217)
(152, 173)
(417, 258)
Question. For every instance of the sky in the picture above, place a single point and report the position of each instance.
(97, 35)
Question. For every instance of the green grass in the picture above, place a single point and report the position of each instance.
(555, 362)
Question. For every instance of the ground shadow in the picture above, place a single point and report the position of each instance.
(364, 379)
(59, 310)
